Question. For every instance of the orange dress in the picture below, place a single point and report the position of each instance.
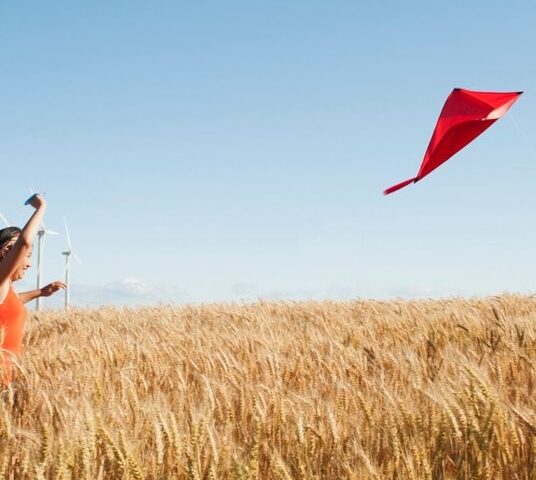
(12, 319)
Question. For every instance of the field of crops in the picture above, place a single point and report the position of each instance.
(330, 390)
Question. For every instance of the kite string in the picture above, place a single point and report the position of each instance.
(523, 135)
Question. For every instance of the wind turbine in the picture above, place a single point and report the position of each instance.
(41, 234)
(68, 254)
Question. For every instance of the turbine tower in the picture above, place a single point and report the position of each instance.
(41, 234)
(68, 254)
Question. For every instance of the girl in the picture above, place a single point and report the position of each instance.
(7, 237)
(15, 255)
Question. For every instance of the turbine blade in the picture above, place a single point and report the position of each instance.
(75, 256)
(4, 219)
(67, 234)
(46, 231)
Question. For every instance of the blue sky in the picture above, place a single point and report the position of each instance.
(238, 150)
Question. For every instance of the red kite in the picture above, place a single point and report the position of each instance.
(465, 115)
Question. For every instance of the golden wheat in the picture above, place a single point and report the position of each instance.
(321, 390)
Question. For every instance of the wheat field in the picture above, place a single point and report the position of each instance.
(314, 390)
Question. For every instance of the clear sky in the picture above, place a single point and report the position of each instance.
(237, 150)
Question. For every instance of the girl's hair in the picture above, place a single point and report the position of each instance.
(7, 234)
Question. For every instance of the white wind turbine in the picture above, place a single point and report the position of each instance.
(68, 254)
(41, 234)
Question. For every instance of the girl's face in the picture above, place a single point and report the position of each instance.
(25, 264)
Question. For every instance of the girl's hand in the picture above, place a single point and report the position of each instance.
(52, 288)
(37, 201)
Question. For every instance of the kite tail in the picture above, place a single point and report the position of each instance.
(400, 185)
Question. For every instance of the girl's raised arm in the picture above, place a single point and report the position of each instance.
(22, 245)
